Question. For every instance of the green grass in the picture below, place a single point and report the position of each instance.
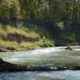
(20, 30)
(24, 45)
(26, 32)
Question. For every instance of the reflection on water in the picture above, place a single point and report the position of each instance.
(56, 75)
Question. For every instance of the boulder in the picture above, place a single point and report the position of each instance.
(68, 48)
(3, 49)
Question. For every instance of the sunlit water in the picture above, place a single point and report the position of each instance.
(45, 56)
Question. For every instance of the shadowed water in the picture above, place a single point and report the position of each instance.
(55, 75)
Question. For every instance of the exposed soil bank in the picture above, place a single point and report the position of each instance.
(17, 37)
(15, 41)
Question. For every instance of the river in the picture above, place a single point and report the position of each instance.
(45, 56)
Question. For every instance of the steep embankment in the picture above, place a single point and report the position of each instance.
(26, 24)
(23, 37)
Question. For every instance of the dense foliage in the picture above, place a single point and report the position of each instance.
(60, 17)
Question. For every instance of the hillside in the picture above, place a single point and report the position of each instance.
(24, 37)
(28, 24)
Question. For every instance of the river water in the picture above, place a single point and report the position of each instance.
(45, 56)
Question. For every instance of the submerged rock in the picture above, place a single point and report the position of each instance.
(68, 48)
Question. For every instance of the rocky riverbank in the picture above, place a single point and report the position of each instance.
(5, 49)
(6, 66)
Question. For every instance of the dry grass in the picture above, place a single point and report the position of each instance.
(4, 30)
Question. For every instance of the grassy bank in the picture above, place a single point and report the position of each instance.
(22, 37)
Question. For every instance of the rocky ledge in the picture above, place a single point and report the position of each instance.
(3, 49)
(6, 66)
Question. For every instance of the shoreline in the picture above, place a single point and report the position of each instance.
(5, 49)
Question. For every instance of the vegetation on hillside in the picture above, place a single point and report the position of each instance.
(51, 22)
